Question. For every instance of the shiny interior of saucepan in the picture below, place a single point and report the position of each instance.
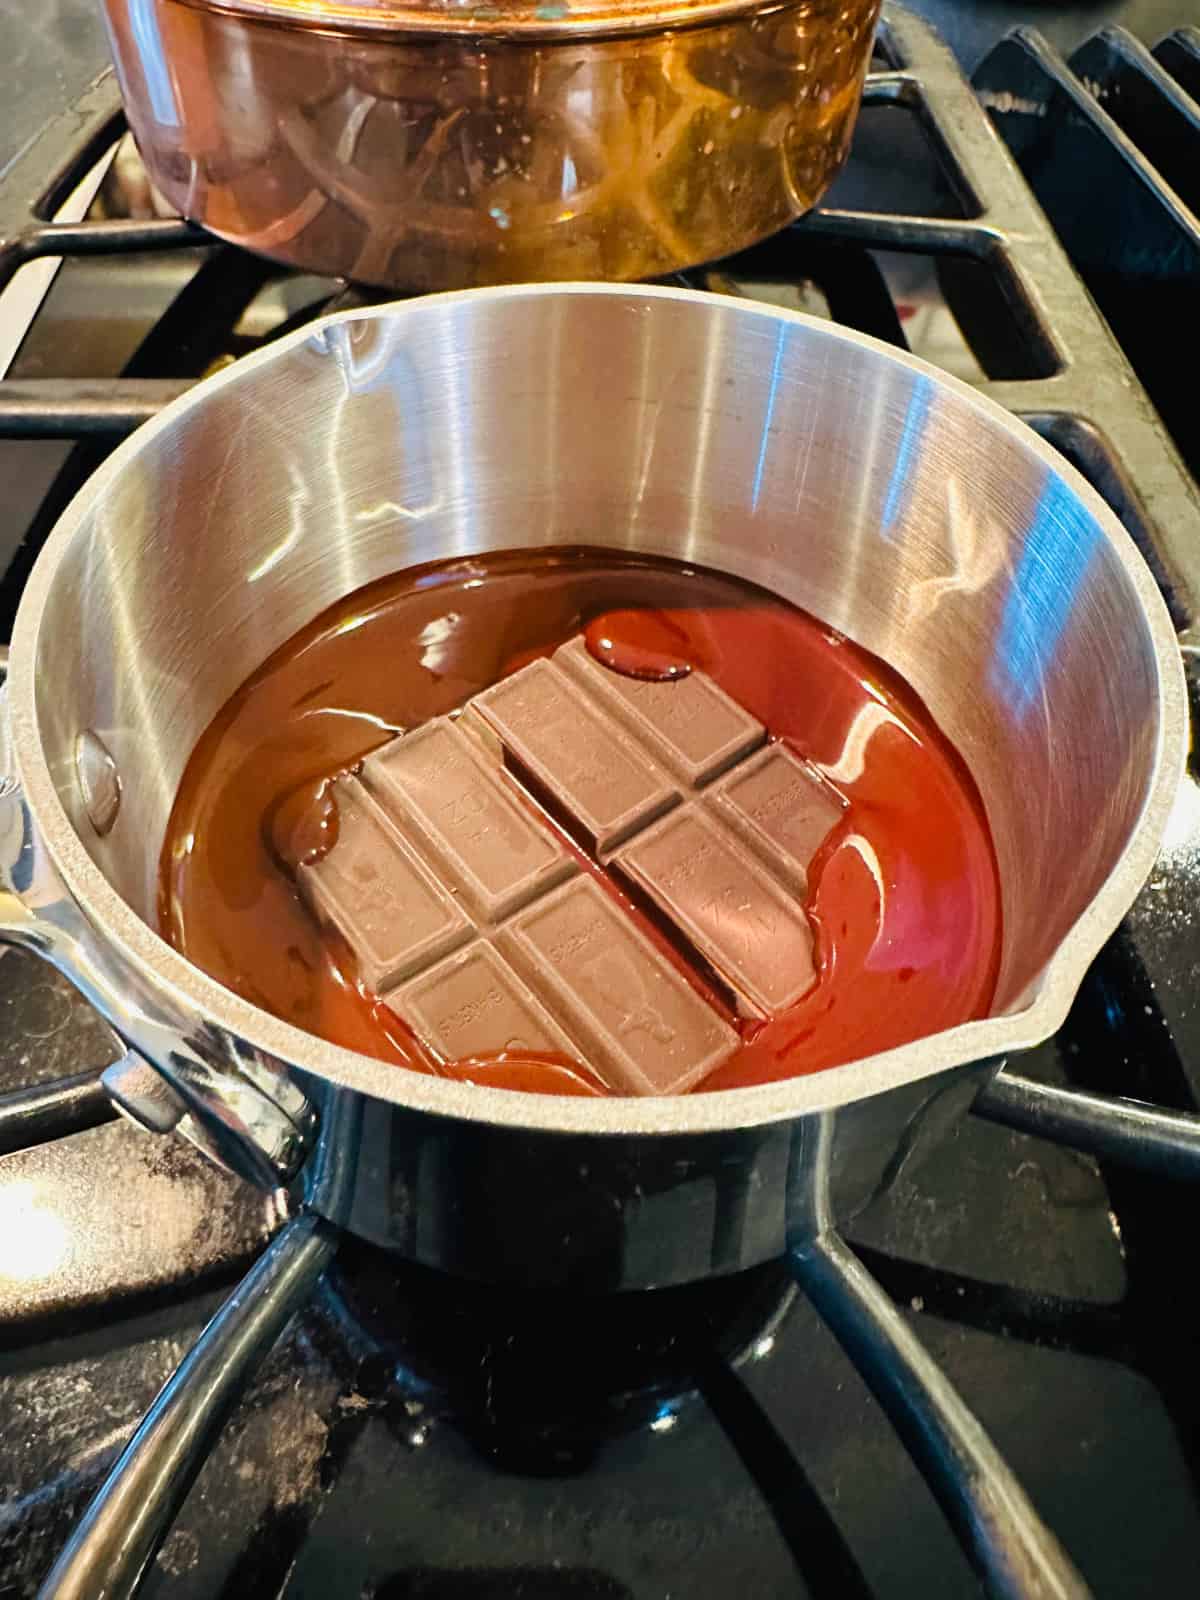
(922, 522)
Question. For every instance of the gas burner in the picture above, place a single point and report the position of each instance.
(538, 1382)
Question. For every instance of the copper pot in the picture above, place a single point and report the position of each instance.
(437, 144)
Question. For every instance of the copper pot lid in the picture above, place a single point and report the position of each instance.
(548, 19)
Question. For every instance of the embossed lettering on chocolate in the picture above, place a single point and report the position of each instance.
(383, 900)
(690, 725)
(497, 853)
(647, 1028)
(727, 904)
(607, 785)
(782, 809)
(474, 1004)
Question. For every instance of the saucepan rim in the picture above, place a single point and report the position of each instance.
(514, 21)
(185, 986)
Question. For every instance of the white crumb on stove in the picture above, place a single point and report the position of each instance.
(293, 1437)
(353, 1402)
(180, 1552)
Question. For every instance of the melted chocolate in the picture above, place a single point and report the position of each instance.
(903, 895)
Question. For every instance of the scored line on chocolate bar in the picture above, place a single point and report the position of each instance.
(440, 786)
(473, 1004)
(727, 904)
(585, 759)
(688, 724)
(380, 896)
(646, 1027)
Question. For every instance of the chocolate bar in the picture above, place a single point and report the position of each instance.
(605, 784)
(645, 1028)
(474, 1004)
(781, 808)
(469, 915)
(689, 724)
(727, 904)
(380, 896)
(439, 786)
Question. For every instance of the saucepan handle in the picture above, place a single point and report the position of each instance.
(178, 1073)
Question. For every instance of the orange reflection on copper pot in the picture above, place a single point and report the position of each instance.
(445, 144)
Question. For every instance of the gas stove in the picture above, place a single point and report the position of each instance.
(412, 1436)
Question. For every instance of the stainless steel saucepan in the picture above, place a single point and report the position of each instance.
(858, 483)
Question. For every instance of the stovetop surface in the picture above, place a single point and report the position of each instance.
(413, 1436)
(416, 1437)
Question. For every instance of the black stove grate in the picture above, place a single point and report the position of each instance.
(1065, 1297)
(1002, 264)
